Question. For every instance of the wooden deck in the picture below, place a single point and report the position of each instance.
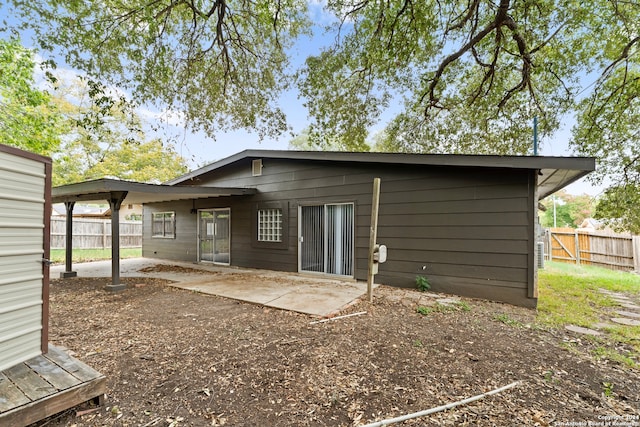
(45, 385)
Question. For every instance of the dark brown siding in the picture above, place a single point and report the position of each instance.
(468, 230)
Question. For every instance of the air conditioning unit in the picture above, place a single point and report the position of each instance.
(540, 254)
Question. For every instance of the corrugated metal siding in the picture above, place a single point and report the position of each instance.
(22, 198)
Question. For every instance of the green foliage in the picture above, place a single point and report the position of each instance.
(608, 129)
(619, 207)
(464, 306)
(569, 294)
(570, 210)
(607, 389)
(105, 139)
(472, 74)
(223, 64)
(88, 255)
(469, 76)
(89, 131)
(507, 320)
(425, 311)
(28, 119)
(443, 308)
(422, 283)
(305, 142)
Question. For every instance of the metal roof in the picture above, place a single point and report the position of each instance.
(554, 172)
(138, 192)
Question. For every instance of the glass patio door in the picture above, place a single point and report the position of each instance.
(326, 239)
(214, 231)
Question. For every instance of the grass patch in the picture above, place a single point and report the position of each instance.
(443, 308)
(507, 320)
(569, 295)
(86, 255)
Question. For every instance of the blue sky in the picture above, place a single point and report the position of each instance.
(199, 149)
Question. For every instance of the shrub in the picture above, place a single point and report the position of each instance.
(422, 283)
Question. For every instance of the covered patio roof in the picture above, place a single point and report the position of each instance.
(116, 191)
(138, 192)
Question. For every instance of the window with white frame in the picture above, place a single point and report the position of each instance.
(164, 224)
(270, 225)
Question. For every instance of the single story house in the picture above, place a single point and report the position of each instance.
(468, 223)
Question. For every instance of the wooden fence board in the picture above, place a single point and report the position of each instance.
(636, 253)
(616, 252)
(95, 233)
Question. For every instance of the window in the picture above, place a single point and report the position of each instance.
(270, 228)
(270, 225)
(164, 224)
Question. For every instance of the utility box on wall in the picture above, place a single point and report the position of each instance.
(25, 209)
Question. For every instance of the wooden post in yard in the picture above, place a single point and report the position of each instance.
(635, 241)
(373, 235)
(577, 240)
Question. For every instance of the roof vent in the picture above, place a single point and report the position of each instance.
(256, 167)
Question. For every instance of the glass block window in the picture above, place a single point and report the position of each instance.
(270, 225)
(164, 224)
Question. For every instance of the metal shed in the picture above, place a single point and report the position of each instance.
(25, 206)
(36, 379)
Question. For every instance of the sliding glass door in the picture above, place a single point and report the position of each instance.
(326, 234)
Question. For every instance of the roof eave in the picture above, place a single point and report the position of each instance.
(137, 192)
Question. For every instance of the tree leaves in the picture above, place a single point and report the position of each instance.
(459, 77)
(222, 63)
(491, 66)
(28, 120)
(106, 138)
(90, 130)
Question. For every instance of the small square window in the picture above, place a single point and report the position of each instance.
(270, 225)
(164, 224)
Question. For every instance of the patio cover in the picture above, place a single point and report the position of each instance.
(115, 191)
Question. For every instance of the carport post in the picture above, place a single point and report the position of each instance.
(68, 251)
(115, 201)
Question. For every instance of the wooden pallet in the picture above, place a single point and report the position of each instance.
(45, 385)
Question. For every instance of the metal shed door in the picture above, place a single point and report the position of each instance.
(326, 239)
(24, 225)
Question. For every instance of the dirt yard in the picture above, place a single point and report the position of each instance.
(179, 358)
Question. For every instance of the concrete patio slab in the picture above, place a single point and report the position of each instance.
(317, 296)
(319, 300)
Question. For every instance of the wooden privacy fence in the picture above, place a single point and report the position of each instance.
(613, 251)
(95, 233)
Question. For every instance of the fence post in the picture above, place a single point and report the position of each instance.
(550, 234)
(104, 232)
(636, 253)
(577, 240)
